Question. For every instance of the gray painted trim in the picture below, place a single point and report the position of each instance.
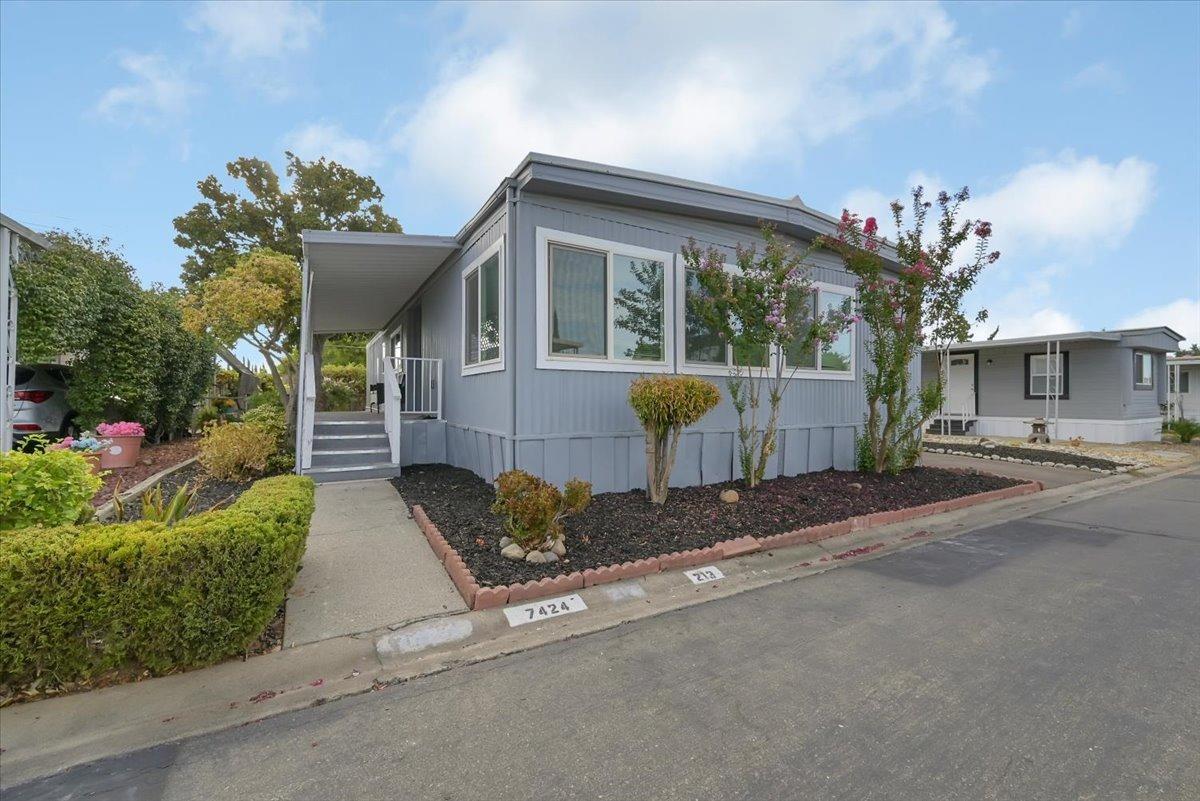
(1115, 335)
(25, 232)
(320, 237)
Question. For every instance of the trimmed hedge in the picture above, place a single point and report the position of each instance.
(77, 601)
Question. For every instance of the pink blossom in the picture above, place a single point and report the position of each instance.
(121, 429)
(870, 226)
(983, 229)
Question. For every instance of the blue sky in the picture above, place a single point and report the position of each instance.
(1077, 126)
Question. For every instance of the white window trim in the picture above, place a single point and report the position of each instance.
(1137, 383)
(802, 373)
(491, 365)
(607, 364)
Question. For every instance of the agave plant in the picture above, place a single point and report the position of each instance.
(158, 510)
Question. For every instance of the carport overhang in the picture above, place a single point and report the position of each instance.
(355, 281)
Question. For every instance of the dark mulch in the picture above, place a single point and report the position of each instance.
(1032, 454)
(620, 527)
(154, 459)
(212, 491)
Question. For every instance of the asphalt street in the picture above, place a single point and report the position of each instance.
(1054, 657)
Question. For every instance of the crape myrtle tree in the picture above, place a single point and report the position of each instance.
(922, 304)
(266, 214)
(762, 309)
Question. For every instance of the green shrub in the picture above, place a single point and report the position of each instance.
(665, 405)
(50, 488)
(76, 601)
(267, 396)
(1186, 429)
(345, 387)
(533, 509)
(270, 419)
(204, 415)
(236, 451)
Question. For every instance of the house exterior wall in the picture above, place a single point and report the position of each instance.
(477, 409)
(574, 423)
(1102, 403)
(1188, 402)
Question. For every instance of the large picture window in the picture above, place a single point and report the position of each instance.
(1143, 370)
(1047, 374)
(482, 312)
(602, 305)
(834, 357)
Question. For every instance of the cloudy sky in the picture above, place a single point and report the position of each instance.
(1077, 126)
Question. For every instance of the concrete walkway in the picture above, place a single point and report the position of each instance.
(367, 566)
(1050, 477)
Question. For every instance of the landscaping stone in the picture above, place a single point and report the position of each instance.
(559, 548)
(729, 496)
(513, 551)
(549, 556)
(536, 558)
(505, 542)
(855, 485)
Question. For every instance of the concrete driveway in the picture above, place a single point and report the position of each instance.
(1053, 657)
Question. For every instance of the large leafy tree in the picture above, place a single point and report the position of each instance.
(255, 300)
(266, 213)
(130, 355)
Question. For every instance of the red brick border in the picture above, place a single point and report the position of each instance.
(491, 597)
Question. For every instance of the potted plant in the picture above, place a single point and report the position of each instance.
(87, 446)
(126, 444)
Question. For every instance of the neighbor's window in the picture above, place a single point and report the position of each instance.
(1184, 381)
(1143, 370)
(1045, 375)
(836, 356)
(481, 310)
(606, 304)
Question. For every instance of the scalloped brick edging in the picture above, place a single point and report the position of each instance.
(478, 597)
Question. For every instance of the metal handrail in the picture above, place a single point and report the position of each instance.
(419, 382)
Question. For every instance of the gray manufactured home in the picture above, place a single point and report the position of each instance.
(1183, 386)
(1104, 386)
(513, 342)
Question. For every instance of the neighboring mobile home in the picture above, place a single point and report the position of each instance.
(510, 344)
(1183, 400)
(1104, 386)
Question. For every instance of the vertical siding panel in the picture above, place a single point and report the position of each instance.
(558, 461)
(820, 449)
(437, 451)
(637, 463)
(531, 456)
(716, 457)
(843, 448)
(620, 464)
(420, 441)
(797, 452)
(687, 460)
(497, 446)
(579, 458)
(483, 456)
(602, 468)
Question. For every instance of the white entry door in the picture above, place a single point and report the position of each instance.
(960, 384)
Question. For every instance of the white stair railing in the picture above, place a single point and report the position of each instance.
(419, 382)
(391, 409)
(308, 414)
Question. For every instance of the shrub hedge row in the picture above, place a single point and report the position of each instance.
(76, 601)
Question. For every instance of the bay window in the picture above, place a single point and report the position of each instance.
(482, 312)
(601, 305)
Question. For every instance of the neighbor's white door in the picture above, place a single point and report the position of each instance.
(960, 384)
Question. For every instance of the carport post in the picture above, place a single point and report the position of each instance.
(8, 338)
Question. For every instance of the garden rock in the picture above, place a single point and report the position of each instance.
(729, 496)
(559, 548)
(505, 542)
(550, 556)
(513, 551)
(855, 485)
(535, 558)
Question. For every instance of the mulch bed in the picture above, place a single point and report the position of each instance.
(212, 492)
(620, 527)
(154, 459)
(1037, 455)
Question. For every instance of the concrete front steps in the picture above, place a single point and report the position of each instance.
(350, 446)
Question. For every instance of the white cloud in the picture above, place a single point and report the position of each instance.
(1182, 314)
(1072, 23)
(1097, 76)
(1041, 321)
(328, 139)
(694, 90)
(252, 29)
(156, 93)
(251, 40)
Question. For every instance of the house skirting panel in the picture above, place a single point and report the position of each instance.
(1114, 431)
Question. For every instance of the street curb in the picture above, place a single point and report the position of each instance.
(477, 597)
(49, 736)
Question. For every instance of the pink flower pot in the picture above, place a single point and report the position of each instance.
(123, 452)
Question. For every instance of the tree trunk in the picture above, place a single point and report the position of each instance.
(247, 378)
(651, 464)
